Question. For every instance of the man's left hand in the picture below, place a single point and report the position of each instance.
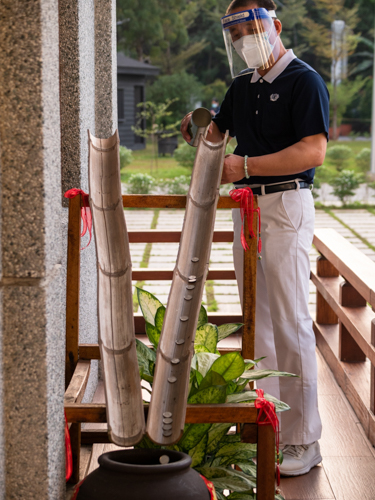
(233, 169)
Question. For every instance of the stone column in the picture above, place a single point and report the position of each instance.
(105, 68)
(32, 460)
(77, 94)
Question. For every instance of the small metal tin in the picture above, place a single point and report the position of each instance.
(167, 420)
(167, 414)
(184, 318)
(175, 361)
(188, 297)
(195, 259)
(167, 433)
(172, 380)
(180, 341)
(190, 287)
(167, 427)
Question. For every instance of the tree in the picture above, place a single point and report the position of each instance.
(292, 15)
(156, 117)
(318, 33)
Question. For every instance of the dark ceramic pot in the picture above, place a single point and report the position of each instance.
(139, 475)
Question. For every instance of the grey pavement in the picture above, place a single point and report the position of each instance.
(163, 255)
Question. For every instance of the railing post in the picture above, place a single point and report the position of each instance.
(372, 378)
(249, 290)
(349, 350)
(324, 313)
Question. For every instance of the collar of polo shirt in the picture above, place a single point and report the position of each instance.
(276, 69)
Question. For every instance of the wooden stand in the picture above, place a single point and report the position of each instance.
(79, 356)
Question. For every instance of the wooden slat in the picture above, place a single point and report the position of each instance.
(351, 477)
(167, 275)
(311, 486)
(350, 376)
(348, 348)
(155, 236)
(78, 383)
(72, 287)
(351, 262)
(357, 320)
(221, 413)
(324, 313)
(168, 201)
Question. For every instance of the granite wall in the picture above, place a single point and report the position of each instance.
(32, 290)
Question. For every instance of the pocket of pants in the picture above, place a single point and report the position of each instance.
(293, 207)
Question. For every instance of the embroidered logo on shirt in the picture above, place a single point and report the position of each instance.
(274, 97)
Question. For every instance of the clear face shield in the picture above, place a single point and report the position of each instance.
(250, 40)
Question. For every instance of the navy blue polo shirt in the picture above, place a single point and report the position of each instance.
(270, 113)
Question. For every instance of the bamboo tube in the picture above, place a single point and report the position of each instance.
(167, 412)
(126, 424)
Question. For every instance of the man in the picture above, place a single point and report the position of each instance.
(278, 109)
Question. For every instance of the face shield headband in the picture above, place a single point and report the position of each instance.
(250, 40)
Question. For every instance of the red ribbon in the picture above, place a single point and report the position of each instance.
(267, 416)
(68, 452)
(85, 211)
(210, 487)
(246, 199)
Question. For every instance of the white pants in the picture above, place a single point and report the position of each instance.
(283, 330)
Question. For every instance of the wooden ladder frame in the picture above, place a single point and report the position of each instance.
(79, 356)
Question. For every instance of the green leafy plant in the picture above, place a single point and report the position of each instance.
(140, 184)
(345, 184)
(126, 156)
(214, 378)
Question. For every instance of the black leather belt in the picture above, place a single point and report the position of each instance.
(287, 186)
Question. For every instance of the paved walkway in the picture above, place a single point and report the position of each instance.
(226, 300)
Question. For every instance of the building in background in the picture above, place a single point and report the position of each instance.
(131, 82)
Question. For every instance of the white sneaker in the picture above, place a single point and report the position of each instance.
(299, 459)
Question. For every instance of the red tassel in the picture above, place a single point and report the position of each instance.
(267, 411)
(85, 211)
(68, 452)
(246, 199)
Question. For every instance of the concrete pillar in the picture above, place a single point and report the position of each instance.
(32, 461)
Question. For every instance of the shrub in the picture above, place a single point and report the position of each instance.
(126, 156)
(363, 160)
(140, 184)
(345, 184)
(185, 155)
(339, 155)
(178, 185)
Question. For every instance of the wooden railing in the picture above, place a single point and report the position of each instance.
(345, 320)
(79, 356)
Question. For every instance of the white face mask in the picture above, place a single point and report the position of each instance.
(255, 50)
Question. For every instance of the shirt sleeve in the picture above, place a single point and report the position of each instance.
(310, 106)
(224, 118)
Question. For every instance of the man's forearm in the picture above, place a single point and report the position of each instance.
(295, 159)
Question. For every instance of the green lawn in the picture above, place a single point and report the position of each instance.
(144, 162)
(168, 168)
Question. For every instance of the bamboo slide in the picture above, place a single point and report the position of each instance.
(125, 415)
(166, 418)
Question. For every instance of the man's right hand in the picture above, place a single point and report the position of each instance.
(184, 127)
